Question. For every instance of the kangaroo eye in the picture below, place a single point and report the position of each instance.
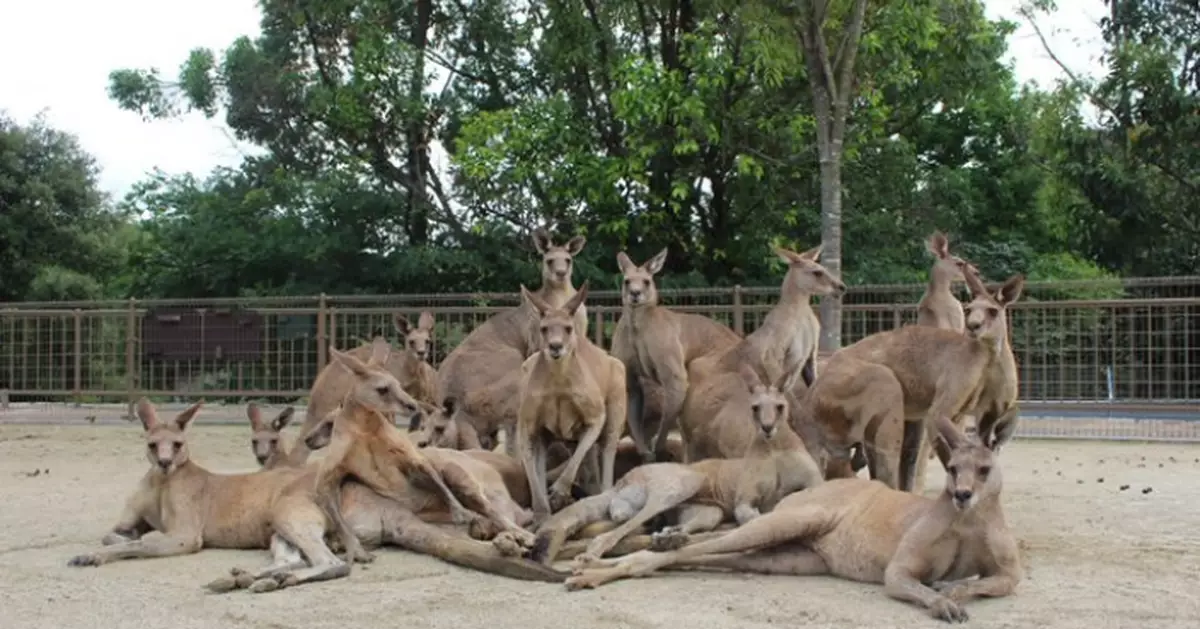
(382, 390)
(569, 329)
(779, 408)
(984, 471)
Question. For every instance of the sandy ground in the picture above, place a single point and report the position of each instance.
(1097, 556)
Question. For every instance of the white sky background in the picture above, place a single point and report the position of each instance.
(68, 78)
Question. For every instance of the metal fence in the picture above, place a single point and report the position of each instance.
(1100, 346)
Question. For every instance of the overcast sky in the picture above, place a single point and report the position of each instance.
(57, 56)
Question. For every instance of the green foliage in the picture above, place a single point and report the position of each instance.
(689, 126)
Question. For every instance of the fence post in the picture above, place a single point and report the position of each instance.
(598, 329)
(130, 346)
(897, 319)
(321, 344)
(78, 357)
(739, 317)
(332, 327)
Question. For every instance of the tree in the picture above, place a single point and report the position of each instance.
(58, 237)
(830, 73)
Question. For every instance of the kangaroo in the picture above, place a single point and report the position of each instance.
(571, 390)
(946, 373)
(416, 375)
(180, 508)
(711, 491)
(939, 307)
(481, 377)
(436, 430)
(270, 451)
(657, 343)
(922, 550)
(266, 440)
(783, 349)
(364, 446)
(409, 521)
(334, 381)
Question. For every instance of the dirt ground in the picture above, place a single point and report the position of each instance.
(1097, 555)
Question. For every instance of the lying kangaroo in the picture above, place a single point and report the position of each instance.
(372, 450)
(923, 550)
(571, 390)
(180, 508)
(939, 307)
(334, 381)
(407, 521)
(943, 373)
(364, 446)
(270, 450)
(435, 429)
(783, 350)
(657, 343)
(711, 491)
(481, 376)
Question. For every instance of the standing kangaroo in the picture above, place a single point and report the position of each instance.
(571, 390)
(480, 378)
(939, 307)
(936, 372)
(782, 350)
(657, 343)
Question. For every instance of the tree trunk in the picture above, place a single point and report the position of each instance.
(831, 237)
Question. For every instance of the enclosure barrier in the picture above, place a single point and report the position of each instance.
(1117, 350)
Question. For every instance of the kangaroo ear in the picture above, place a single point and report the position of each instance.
(949, 433)
(938, 245)
(749, 377)
(541, 240)
(148, 415)
(183, 419)
(400, 322)
(282, 419)
(255, 415)
(655, 264)
(576, 300)
(812, 254)
(425, 321)
(356, 366)
(380, 350)
(624, 262)
(1011, 290)
(539, 306)
(575, 245)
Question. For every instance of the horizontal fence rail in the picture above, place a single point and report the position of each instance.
(1091, 345)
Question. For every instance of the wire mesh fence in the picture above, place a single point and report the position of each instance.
(1130, 345)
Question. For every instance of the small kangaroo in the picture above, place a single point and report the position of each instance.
(922, 550)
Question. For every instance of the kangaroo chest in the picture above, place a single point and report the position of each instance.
(566, 414)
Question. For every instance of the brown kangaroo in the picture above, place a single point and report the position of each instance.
(571, 390)
(657, 344)
(180, 508)
(481, 376)
(923, 550)
(706, 492)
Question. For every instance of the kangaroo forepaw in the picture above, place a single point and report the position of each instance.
(359, 555)
(483, 529)
(89, 559)
(669, 538)
(513, 544)
(947, 610)
(222, 585)
(560, 498)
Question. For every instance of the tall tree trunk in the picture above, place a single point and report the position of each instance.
(831, 79)
(831, 238)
